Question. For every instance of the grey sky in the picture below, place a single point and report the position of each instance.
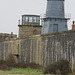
(11, 11)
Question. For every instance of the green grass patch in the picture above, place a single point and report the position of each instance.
(22, 71)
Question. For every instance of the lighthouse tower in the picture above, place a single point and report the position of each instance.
(55, 20)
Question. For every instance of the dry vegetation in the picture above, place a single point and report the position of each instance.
(10, 67)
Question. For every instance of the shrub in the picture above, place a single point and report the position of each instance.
(20, 65)
(51, 69)
(10, 61)
(29, 65)
(61, 67)
(2, 62)
(33, 66)
(4, 67)
(64, 67)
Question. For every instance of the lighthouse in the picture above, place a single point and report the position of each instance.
(55, 20)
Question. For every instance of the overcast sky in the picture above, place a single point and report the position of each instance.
(11, 11)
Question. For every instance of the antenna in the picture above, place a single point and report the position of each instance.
(19, 21)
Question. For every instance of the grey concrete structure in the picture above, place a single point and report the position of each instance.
(41, 49)
(55, 20)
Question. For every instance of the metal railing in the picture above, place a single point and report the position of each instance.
(67, 15)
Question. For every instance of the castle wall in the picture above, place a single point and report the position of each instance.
(42, 49)
(8, 47)
(5, 36)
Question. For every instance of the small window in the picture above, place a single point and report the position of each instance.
(26, 19)
(30, 19)
(23, 17)
(34, 19)
(38, 20)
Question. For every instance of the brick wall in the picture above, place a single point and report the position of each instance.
(73, 27)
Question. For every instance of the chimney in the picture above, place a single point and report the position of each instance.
(73, 25)
(11, 34)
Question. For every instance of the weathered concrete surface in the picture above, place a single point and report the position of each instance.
(41, 49)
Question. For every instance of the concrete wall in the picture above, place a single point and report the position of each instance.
(41, 49)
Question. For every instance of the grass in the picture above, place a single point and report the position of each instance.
(20, 71)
